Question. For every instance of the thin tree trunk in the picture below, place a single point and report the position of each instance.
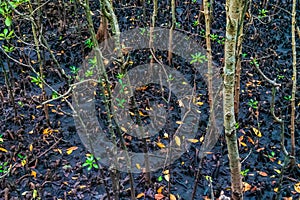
(234, 9)
(294, 79)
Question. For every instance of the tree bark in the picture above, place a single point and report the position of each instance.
(234, 10)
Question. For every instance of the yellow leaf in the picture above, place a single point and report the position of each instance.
(246, 186)
(160, 145)
(275, 189)
(167, 177)
(30, 147)
(140, 195)
(30, 132)
(23, 162)
(82, 186)
(123, 129)
(71, 149)
(2, 149)
(166, 171)
(159, 190)
(138, 165)
(297, 187)
(243, 144)
(277, 170)
(179, 122)
(172, 197)
(201, 139)
(1, 139)
(193, 140)
(177, 140)
(33, 173)
(142, 114)
(199, 103)
(257, 132)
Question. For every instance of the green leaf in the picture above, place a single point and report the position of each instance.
(95, 166)
(160, 178)
(8, 21)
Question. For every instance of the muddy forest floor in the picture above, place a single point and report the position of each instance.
(47, 162)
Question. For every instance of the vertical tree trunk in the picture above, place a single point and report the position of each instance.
(234, 10)
(294, 79)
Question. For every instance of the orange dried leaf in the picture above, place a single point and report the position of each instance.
(246, 186)
(158, 196)
(262, 173)
(159, 190)
(33, 173)
(297, 187)
(160, 145)
(172, 197)
(71, 149)
(140, 195)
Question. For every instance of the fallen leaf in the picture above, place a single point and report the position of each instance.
(30, 147)
(138, 165)
(297, 187)
(158, 196)
(166, 172)
(167, 177)
(179, 122)
(193, 140)
(140, 195)
(262, 173)
(2, 149)
(172, 197)
(160, 145)
(71, 149)
(159, 190)
(33, 173)
(246, 186)
(177, 140)
(257, 132)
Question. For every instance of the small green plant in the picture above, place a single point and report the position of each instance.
(194, 1)
(8, 49)
(253, 103)
(37, 80)
(195, 23)
(142, 31)
(262, 13)
(170, 77)
(120, 102)
(280, 77)
(237, 125)
(244, 55)
(3, 167)
(54, 95)
(202, 32)
(120, 76)
(7, 35)
(1, 138)
(244, 172)
(93, 62)
(288, 98)
(90, 162)
(254, 62)
(214, 37)
(89, 73)
(198, 58)
(74, 70)
(89, 43)
(178, 25)
(20, 103)
(123, 85)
